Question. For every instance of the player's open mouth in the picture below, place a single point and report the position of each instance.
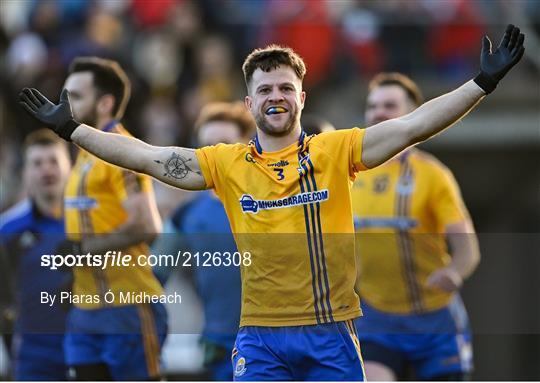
(276, 110)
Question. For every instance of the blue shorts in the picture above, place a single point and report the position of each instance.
(128, 339)
(318, 352)
(432, 344)
(38, 357)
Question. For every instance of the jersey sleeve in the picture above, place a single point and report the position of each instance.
(355, 150)
(215, 163)
(208, 164)
(344, 146)
(446, 200)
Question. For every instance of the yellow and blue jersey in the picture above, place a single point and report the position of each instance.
(401, 211)
(94, 199)
(291, 209)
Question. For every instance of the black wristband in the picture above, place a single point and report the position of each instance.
(486, 82)
(65, 131)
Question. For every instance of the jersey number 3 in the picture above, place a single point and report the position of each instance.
(280, 175)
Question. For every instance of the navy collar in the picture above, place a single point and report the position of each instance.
(38, 214)
(405, 156)
(259, 149)
(110, 125)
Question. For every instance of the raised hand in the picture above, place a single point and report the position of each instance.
(56, 117)
(495, 64)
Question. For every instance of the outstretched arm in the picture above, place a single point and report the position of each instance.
(175, 166)
(384, 140)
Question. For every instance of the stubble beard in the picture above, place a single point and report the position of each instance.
(270, 130)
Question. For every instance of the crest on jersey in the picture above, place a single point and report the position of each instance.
(240, 367)
(405, 185)
(380, 183)
(249, 158)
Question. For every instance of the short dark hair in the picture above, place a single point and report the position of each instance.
(42, 137)
(109, 78)
(394, 78)
(271, 57)
(234, 112)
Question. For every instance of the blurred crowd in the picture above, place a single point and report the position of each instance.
(182, 54)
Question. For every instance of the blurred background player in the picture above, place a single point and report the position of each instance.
(417, 247)
(109, 208)
(34, 227)
(314, 124)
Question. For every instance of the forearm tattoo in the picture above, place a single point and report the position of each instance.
(177, 167)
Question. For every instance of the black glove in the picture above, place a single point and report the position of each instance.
(56, 117)
(495, 65)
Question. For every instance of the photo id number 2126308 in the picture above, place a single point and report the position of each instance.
(215, 259)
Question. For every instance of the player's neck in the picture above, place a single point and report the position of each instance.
(271, 143)
(49, 206)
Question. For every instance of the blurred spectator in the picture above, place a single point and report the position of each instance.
(161, 122)
(313, 124)
(403, 20)
(157, 59)
(361, 32)
(455, 35)
(184, 21)
(9, 175)
(32, 228)
(306, 27)
(26, 58)
(217, 78)
(151, 13)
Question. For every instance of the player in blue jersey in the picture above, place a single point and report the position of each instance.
(30, 229)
